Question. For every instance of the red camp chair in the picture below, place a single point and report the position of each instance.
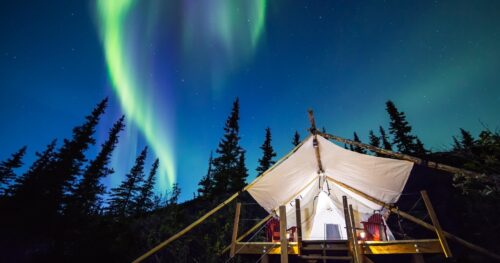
(375, 228)
(273, 231)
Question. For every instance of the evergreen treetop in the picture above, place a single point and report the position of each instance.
(86, 197)
(122, 197)
(227, 171)
(357, 148)
(296, 139)
(400, 129)
(206, 183)
(385, 141)
(144, 201)
(268, 154)
(7, 174)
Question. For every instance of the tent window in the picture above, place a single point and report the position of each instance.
(332, 232)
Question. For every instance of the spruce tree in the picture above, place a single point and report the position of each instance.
(206, 183)
(30, 185)
(400, 129)
(385, 141)
(86, 198)
(7, 174)
(296, 139)
(419, 148)
(174, 195)
(357, 148)
(467, 140)
(121, 203)
(267, 154)
(237, 183)
(456, 145)
(145, 200)
(227, 173)
(374, 141)
(69, 159)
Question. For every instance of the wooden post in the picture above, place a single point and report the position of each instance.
(299, 224)
(235, 229)
(248, 232)
(283, 239)
(348, 224)
(435, 222)
(357, 248)
(315, 141)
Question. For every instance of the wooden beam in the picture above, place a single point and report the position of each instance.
(185, 230)
(264, 220)
(270, 248)
(283, 239)
(430, 164)
(357, 249)
(418, 221)
(299, 224)
(235, 229)
(401, 247)
(435, 222)
(315, 141)
(348, 224)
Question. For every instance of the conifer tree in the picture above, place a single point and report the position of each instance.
(374, 141)
(174, 194)
(467, 139)
(419, 148)
(357, 148)
(86, 198)
(456, 144)
(206, 183)
(30, 185)
(7, 174)
(121, 203)
(227, 173)
(385, 141)
(145, 200)
(238, 182)
(296, 139)
(400, 129)
(267, 154)
(69, 159)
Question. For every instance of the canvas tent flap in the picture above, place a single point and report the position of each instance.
(297, 177)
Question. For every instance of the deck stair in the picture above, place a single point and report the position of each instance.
(325, 251)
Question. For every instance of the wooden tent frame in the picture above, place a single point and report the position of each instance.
(368, 247)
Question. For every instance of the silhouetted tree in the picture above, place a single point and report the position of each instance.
(296, 139)
(467, 140)
(385, 141)
(122, 197)
(206, 183)
(145, 200)
(238, 182)
(29, 186)
(86, 198)
(226, 171)
(174, 194)
(7, 174)
(374, 141)
(267, 154)
(400, 129)
(357, 148)
(69, 159)
(456, 144)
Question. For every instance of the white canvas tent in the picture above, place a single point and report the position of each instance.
(320, 195)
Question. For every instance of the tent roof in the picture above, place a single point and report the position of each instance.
(297, 177)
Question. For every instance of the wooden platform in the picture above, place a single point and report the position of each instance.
(368, 247)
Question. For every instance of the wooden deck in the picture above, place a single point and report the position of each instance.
(420, 246)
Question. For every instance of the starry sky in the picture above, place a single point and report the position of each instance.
(174, 68)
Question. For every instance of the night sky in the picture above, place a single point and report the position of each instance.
(174, 68)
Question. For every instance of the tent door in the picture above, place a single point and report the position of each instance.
(332, 232)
